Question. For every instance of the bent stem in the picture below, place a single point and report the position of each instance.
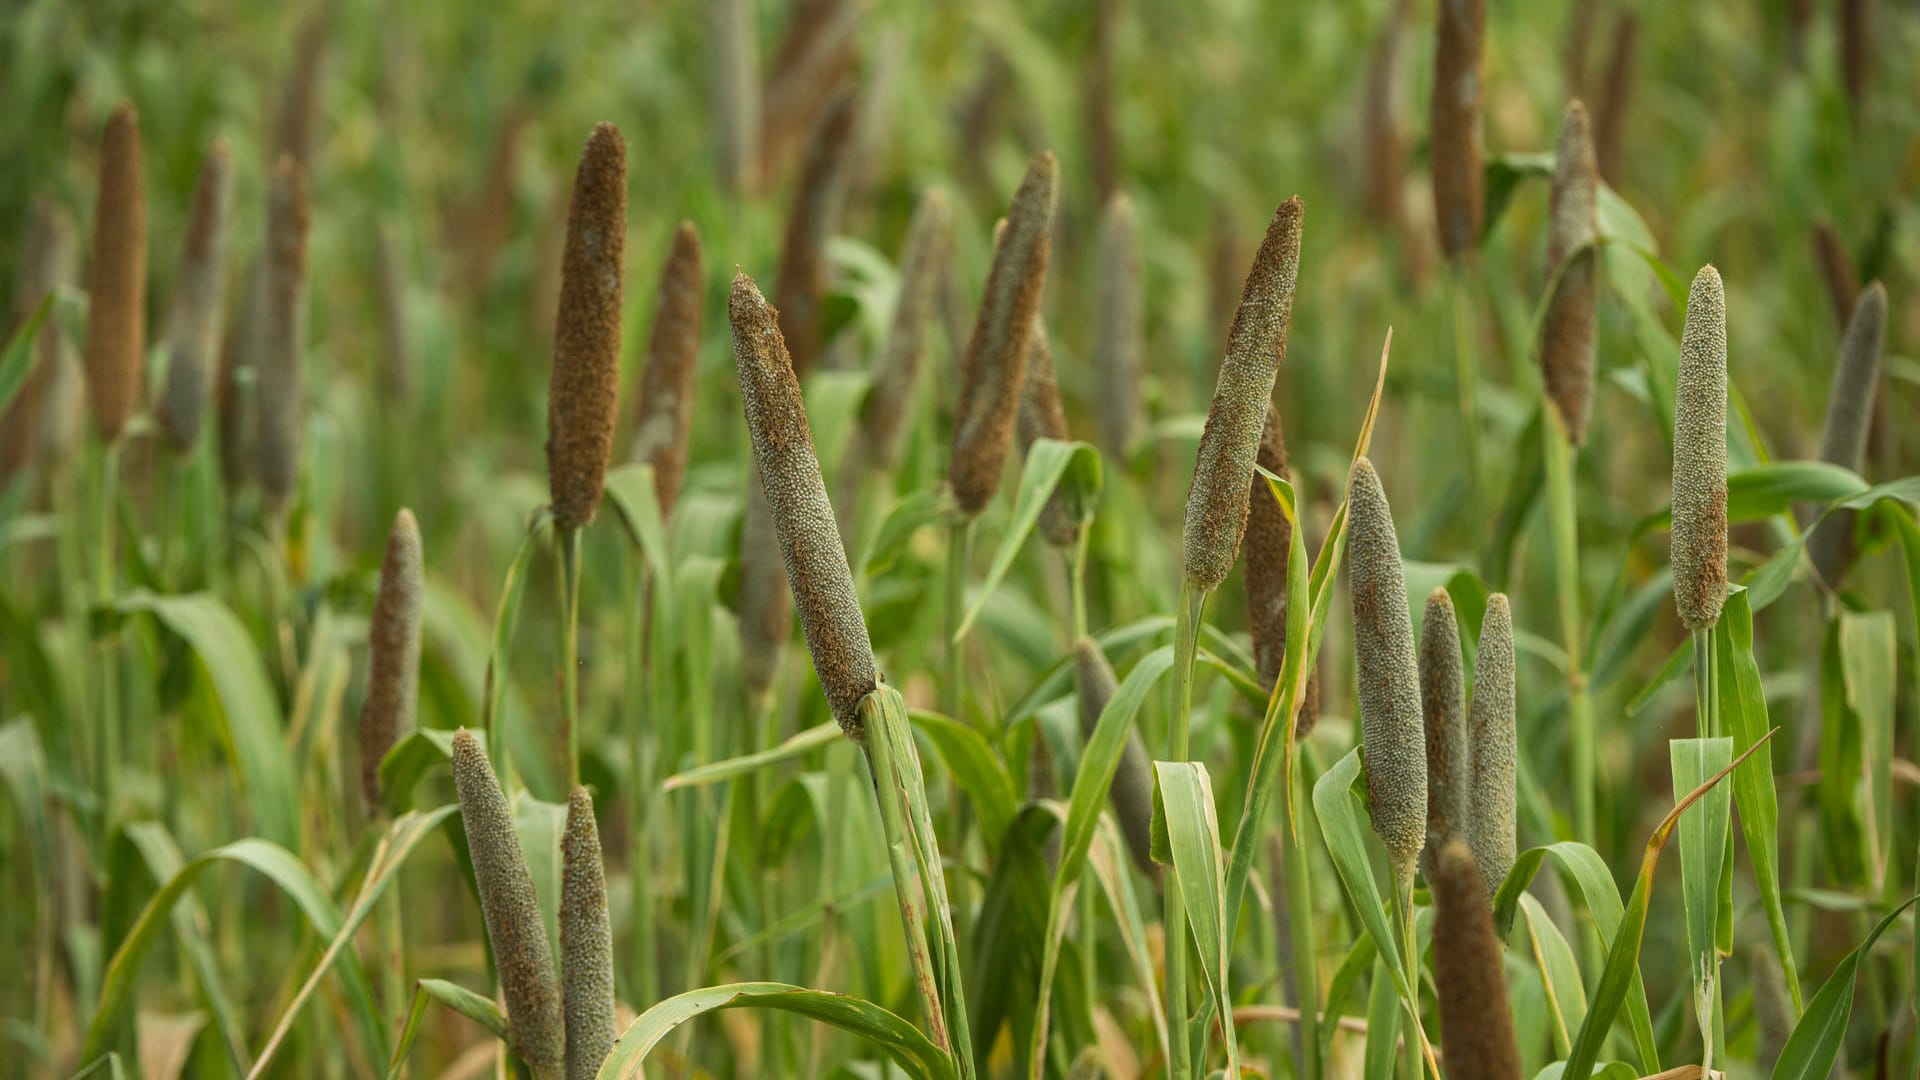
(1186, 643)
(567, 571)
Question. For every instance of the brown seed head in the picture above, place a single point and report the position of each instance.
(1268, 547)
(512, 909)
(1443, 709)
(817, 54)
(299, 127)
(1455, 150)
(1843, 441)
(393, 653)
(1569, 334)
(1476, 1028)
(1256, 347)
(39, 422)
(816, 562)
(1610, 119)
(586, 942)
(584, 390)
(1041, 417)
(1491, 812)
(1856, 50)
(1117, 326)
(994, 372)
(117, 281)
(1391, 728)
(923, 258)
(734, 52)
(665, 419)
(1131, 792)
(1700, 456)
(193, 319)
(1384, 143)
(281, 362)
(1836, 270)
(801, 286)
(1103, 140)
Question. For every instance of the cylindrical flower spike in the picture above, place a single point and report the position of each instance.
(584, 390)
(923, 260)
(1843, 441)
(117, 277)
(1569, 334)
(1476, 1026)
(1454, 147)
(1118, 331)
(1491, 817)
(1443, 709)
(1268, 546)
(193, 320)
(783, 454)
(665, 419)
(1700, 456)
(586, 942)
(1256, 346)
(1131, 792)
(393, 652)
(801, 285)
(281, 379)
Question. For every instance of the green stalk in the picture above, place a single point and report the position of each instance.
(1566, 561)
(1417, 1053)
(107, 742)
(1077, 578)
(1306, 986)
(1186, 644)
(637, 617)
(1466, 373)
(1088, 926)
(1706, 703)
(906, 884)
(959, 545)
(567, 571)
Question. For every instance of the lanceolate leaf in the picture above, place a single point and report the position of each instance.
(1183, 819)
(1815, 1041)
(1050, 463)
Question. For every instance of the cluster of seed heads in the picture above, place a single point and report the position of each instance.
(583, 392)
(665, 412)
(1700, 456)
(783, 455)
(994, 370)
(1392, 732)
(1256, 346)
(393, 653)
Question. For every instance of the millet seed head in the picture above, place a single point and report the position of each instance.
(393, 652)
(1268, 546)
(584, 390)
(1476, 1028)
(765, 601)
(1118, 326)
(733, 54)
(1700, 456)
(1392, 733)
(1256, 346)
(1131, 793)
(1837, 275)
(586, 942)
(42, 420)
(815, 559)
(800, 287)
(1491, 817)
(117, 279)
(1443, 710)
(1571, 328)
(512, 909)
(280, 372)
(1843, 441)
(193, 319)
(923, 259)
(994, 371)
(1455, 150)
(1041, 417)
(665, 418)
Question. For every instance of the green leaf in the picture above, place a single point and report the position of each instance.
(1050, 463)
(903, 521)
(1383, 1021)
(270, 861)
(1012, 917)
(632, 490)
(536, 769)
(1705, 832)
(1183, 815)
(796, 745)
(1503, 175)
(411, 759)
(902, 1041)
(978, 769)
(1560, 973)
(1815, 1041)
(16, 359)
(833, 401)
(1868, 665)
(250, 713)
(1341, 812)
(452, 996)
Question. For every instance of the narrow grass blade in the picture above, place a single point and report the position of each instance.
(1383, 1021)
(1705, 832)
(453, 997)
(1050, 463)
(794, 746)
(1342, 809)
(16, 358)
(1186, 831)
(1559, 971)
(1868, 654)
(978, 769)
(901, 1040)
(1815, 1041)
(537, 771)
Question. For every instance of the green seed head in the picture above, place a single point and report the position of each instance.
(665, 419)
(1443, 708)
(1568, 336)
(816, 562)
(583, 391)
(193, 319)
(1491, 816)
(393, 653)
(1117, 326)
(1849, 419)
(995, 369)
(117, 285)
(1700, 456)
(1476, 1027)
(1458, 190)
(1256, 346)
(1390, 722)
(507, 899)
(586, 942)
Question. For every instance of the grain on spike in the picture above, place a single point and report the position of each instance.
(1476, 1026)
(1454, 147)
(280, 364)
(1700, 456)
(1118, 327)
(193, 318)
(1843, 440)
(664, 422)
(1216, 514)
(586, 941)
(1131, 792)
(923, 261)
(583, 392)
(1494, 740)
(1443, 711)
(1570, 331)
(115, 346)
(393, 652)
(800, 287)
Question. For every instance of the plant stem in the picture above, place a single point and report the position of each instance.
(1566, 561)
(959, 545)
(1299, 899)
(1466, 373)
(1186, 645)
(107, 742)
(1418, 1053)
(906, 885)
(638, 618)
(567, 567)
(1077, 578)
